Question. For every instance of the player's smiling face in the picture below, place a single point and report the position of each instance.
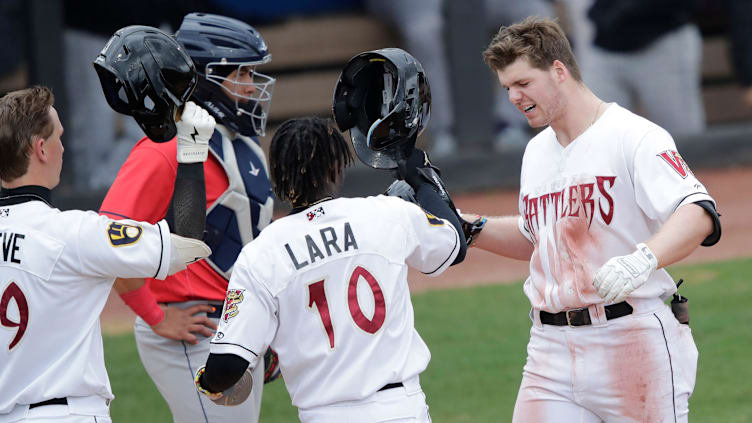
(534, 92)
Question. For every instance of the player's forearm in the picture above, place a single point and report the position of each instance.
(687, 227)
(502, 236)
(187, 211)
(222, 371)
(123, 285)
(136, 295)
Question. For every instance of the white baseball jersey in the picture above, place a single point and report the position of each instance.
(56, 271)
(327, 288)
(580, 205)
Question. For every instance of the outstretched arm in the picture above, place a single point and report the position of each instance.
(502, 236)
(186, 214)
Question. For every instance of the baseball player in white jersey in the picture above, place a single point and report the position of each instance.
(57, 269)
(326, 287)
(606, 202)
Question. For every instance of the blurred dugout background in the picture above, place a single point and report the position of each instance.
(53, 42)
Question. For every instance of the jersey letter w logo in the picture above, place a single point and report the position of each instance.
(675, 160)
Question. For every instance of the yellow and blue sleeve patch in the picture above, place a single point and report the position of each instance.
(433, 220)
(121, 234)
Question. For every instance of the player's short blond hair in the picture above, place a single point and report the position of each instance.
(24, 116)
(540, 41)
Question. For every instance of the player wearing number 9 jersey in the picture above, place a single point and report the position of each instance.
(326, 287)
(57, 269)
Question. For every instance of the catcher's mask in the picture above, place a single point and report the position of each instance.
(146, 74)
(218, 46)
(384, 99)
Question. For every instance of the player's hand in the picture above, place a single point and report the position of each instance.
(181, 324)
(472, 225)
(403, 190)
(621, 275)
(195, 127)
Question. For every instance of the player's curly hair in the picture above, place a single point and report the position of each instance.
(24, 116)
(541, 41)
(307, 156)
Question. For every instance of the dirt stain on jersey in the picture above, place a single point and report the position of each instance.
(571, 261)
(636, 377)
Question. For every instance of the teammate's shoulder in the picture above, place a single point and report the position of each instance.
(632, 123)
(386, 204)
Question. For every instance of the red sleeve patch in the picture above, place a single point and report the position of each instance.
(675, 160)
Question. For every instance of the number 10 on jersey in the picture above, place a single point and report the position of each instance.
(317, 297)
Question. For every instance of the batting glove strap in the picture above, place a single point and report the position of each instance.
(195, 128)
(214, 396)
(472, 229)
(620, 276)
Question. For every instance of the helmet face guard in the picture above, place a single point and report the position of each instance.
(255, 105)
(384, 99)
(144, 73)
(225, 50)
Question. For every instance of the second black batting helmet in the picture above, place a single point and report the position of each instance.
(146, 74)
(384, 99)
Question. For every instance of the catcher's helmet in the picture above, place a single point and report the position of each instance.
(218, 46)
(146, 74)
(384, 99)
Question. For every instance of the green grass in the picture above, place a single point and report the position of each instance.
(478, 336)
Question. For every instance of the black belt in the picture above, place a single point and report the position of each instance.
(216, 314)
(391, 385)
(581, 316)
(53, 401)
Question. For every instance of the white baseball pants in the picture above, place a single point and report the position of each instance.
(636, 368)
(405, 404)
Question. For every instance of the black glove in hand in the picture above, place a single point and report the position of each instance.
(472, 229)
(403, 190)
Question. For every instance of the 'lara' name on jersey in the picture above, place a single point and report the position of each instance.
(326, 239)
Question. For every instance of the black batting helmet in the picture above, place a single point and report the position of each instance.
(384, 99)
(146, 74)
(218, 46)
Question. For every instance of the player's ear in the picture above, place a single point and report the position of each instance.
(559, 71)
(38, 149)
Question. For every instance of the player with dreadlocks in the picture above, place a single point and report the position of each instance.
(328, 155)
(326, 287)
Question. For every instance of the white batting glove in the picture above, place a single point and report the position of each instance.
(195, 127)
(184, 251)
(621, 275)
